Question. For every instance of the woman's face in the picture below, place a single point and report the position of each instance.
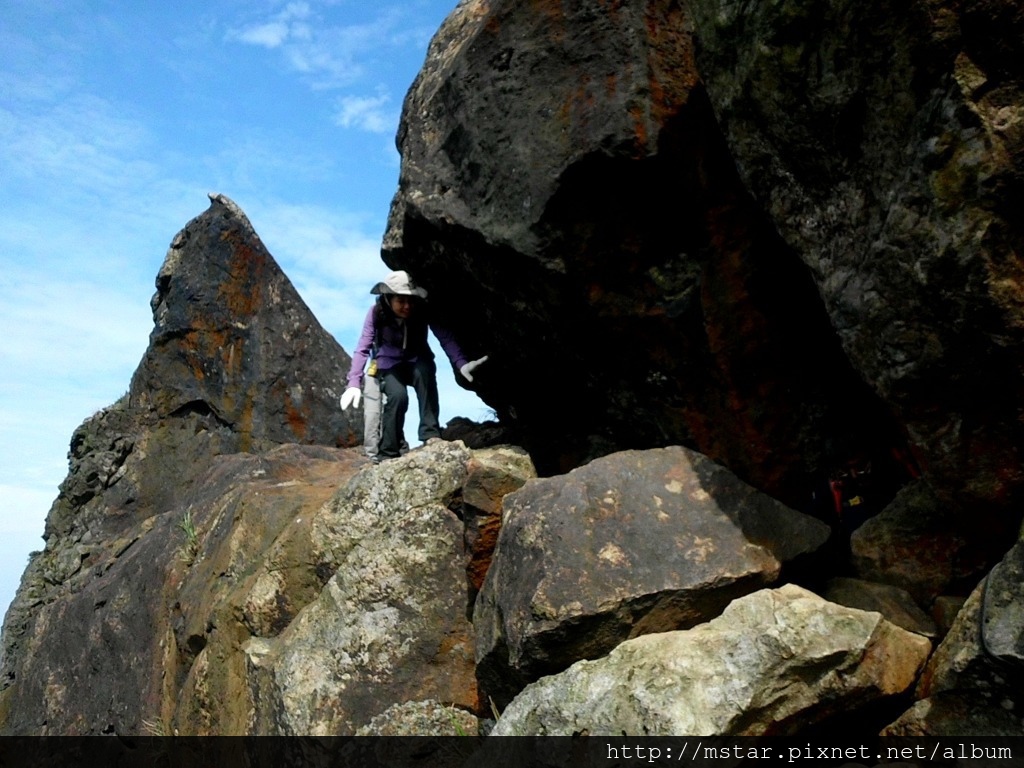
(402, 306)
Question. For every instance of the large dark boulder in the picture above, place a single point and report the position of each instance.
(633, 543)
(788, 237)
(885, 140)
(568, 199)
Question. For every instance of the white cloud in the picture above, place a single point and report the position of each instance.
(82, 139)
(268, 35)
(289, 24)
(370, 113)
(329, 55)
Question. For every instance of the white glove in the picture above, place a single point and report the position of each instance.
(468, 368)
(351, 397)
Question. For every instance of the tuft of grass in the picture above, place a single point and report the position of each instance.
(154, 728)
(459, 730)
(190, 549)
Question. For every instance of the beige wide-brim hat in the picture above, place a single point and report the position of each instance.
(399, 283)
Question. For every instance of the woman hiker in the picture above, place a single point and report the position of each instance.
(395, 334)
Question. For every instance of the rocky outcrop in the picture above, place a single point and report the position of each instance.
(234, 343)
(973, 681)
(886, 143)
(163, 608)
(758, 210)
(236, 362)
(565, 192)
(634, 543)
(772, 662)
(782, 235)
(390, 625)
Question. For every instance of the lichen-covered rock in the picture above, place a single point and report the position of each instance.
(772, 662)
(633, 543)
(421, 718)
(390, 625)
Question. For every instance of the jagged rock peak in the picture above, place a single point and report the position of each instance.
(233, 339)
(236, 363)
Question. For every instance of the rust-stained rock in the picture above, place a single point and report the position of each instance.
(492, 475)
(234, 342)
(633, 543)
(566, 196)
(886, 142)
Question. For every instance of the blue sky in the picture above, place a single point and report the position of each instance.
(116, 120)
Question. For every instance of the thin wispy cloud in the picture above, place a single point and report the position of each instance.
(374, 114)
(81, 137)
(290, 24)
(329, 50)
(326, 55)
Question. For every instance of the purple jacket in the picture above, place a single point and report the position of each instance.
(405, 343)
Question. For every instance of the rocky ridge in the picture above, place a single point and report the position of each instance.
(743, 256)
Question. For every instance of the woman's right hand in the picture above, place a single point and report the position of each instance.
(351, 397)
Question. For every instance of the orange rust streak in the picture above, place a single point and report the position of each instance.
(298, 419)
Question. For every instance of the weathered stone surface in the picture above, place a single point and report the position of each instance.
(492, 474)
(793, 236)
(565, 193)
(229, 331)
(390, 626)
(236, 362)
(958, 714)
(772, 662)
(984, 651)
(945, 610)
(895, 604)
(420, 718)
(886, 142)
(148, 639)
(921, 544)
(633, 543)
